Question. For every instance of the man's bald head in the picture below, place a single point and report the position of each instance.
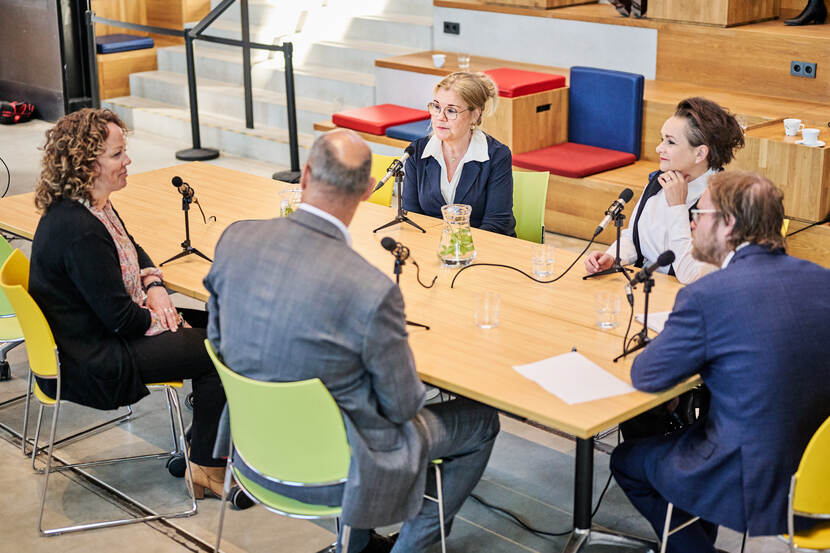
(340, 163)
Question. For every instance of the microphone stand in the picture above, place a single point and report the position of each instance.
(400, 261)
(400, 217)
(187, 249)
(617, 267)
(641, 339)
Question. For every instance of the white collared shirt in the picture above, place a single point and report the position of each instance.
(330, 218)
(476, 151)
(731, 254)
(664, 227)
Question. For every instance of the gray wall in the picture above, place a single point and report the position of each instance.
(30, 61)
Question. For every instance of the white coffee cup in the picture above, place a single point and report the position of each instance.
(438, 60)
(792, 126)
(810, 137)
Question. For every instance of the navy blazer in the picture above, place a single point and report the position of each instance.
(757, 334)
(486, 186)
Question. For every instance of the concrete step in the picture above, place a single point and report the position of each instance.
(312, 81)
(353, 55)
(227, 134)
(403, 30)
(272, 11)
(220, 98)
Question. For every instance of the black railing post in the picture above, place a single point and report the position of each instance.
(95, 92)
(291, 106)
(246, 65)
(196, 153)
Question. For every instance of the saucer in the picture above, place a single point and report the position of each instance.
(818, 144)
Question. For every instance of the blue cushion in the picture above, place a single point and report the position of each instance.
(606, 109)
(108, 44)
(410, 131)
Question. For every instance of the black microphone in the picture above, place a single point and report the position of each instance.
(395, 248)
(614, 210)
(395, 167)
(184, 188)
(665, 258)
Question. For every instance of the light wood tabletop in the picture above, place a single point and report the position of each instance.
(536, 320)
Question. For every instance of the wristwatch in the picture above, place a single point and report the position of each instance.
(153, 284)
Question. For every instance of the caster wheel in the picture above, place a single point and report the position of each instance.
(239, 499)
(189, 401)
(5, 371)
(176, 465)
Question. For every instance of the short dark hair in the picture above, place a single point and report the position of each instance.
(713, 126)
(328, 169)
(755, 204)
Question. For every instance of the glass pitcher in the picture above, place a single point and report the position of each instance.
(456, 248)
(290, 199)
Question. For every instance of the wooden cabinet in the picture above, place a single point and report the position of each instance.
(724, 13)
(544, 4)
(530, 122)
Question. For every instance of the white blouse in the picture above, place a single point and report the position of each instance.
(663, 227)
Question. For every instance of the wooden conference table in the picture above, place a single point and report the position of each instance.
(537, 321)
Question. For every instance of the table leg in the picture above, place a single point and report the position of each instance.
(582, 535)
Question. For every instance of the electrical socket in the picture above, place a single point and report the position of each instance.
(803, 69)
(452, 28)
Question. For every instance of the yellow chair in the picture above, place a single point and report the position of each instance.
(44, 363)
(530, 192)
(10, 334)
(810, 494)
(380, 164)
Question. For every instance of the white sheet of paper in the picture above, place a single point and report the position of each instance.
(573, 378)
(656, 321)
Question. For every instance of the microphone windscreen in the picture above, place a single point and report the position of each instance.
(665, 258)
(626, 195)
(388, 243)
(177, 181)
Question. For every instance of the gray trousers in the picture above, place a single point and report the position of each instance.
(462, 433)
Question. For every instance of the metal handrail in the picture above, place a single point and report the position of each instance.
(195, 33)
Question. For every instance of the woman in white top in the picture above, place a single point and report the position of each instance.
(459, 163)
(697, 142)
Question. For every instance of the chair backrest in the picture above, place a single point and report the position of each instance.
(5, 252)
(40, 344)
(530, 192)
(290, 431)
(605, 109)
(811, 490)
(380, 164)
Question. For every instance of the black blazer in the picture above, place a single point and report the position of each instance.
(75, 278)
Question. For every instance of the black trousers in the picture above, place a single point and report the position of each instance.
(181, 355)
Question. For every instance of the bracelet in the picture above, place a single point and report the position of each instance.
(153, 284)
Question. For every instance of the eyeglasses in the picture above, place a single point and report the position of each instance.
(697, 212)
(450, 111)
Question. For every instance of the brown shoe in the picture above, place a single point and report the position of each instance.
(211, 479)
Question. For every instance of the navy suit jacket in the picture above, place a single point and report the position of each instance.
(486, 186)
(758, 335)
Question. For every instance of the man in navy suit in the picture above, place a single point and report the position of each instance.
(757, 332)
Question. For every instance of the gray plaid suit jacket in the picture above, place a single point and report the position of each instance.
(290, 300)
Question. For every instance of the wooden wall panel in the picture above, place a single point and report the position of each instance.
(756, 61)
(544, 4)
(130, 11)
(796, 6)
(725, 13)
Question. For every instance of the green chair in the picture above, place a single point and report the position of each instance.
(530, 191)
(291, 433)
(44, 362)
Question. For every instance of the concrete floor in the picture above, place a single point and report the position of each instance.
(531, 471)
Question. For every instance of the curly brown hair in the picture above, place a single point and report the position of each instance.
(69, 168)
(713, 126)
(755, 204)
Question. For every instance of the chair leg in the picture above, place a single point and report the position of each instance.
(666, 527)
(174, 402)
(440, 490)
(225, 490)
(48, 468)
(170, 391)
(26, 414)
(37, 436)
(345, 534)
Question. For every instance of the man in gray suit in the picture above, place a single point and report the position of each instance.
(290, 300)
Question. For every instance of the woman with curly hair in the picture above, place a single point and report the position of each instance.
(113, 321)
(697, 142)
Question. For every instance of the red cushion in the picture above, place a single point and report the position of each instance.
(515, 82)
(569, 159)
(376, 119)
